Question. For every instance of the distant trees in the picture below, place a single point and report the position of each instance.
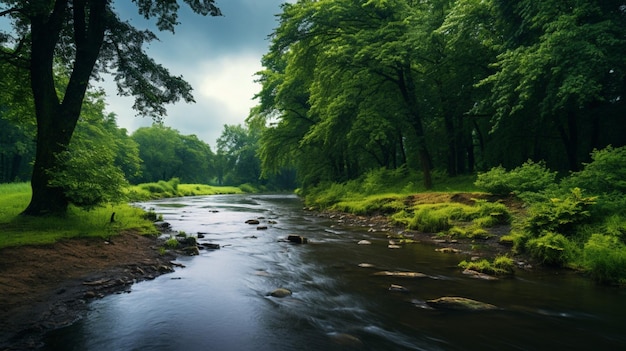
(165, 154)
(456, 85)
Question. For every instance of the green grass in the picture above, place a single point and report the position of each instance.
(19, 230)
(163, 189)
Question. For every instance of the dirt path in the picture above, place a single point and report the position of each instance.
(47, 287)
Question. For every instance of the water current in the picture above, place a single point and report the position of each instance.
(220, 300)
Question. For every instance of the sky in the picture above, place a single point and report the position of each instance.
(218, 56)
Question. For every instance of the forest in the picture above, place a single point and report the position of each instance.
(356, 95)
(450, 86)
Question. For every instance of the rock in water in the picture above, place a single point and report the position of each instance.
(280, 292)
(364, 242)
(460, 303)
(401, 274)
(297, 239)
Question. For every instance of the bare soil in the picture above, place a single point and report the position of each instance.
(48, 287)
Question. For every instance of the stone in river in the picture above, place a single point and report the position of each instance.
(297, 239)
(364, 242)
(280, 292)
(460, 303)
(401, 274)
(253, 221)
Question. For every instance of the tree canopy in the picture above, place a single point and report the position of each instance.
(456, 85)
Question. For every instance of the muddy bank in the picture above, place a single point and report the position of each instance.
(49, 286)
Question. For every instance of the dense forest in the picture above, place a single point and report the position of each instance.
(350, 86)
(456, 86)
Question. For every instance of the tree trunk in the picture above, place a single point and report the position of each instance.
(407, 89)
(56, 120)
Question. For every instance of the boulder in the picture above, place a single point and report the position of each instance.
(253, 221)
(460, 303)
(210, 246)
(364, 242)
(261, 227)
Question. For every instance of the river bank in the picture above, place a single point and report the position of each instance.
(49, 286)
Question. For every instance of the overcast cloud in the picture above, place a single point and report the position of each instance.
(218, 56)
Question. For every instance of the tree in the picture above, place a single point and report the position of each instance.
(237, 150)
(95, 167)
(563, 62)
(167, 154)
(85, 38)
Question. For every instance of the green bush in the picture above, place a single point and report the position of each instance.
(605, 258)
(428, 220)
(529, 177)
(605, 174)
(551, 248)
(560, 215)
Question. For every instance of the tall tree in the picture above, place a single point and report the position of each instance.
(85, 37)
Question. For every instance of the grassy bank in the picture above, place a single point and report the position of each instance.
(577, 221)
(18, 230)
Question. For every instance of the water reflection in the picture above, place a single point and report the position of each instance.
(220, 300)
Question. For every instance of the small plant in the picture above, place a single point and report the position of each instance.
(172, 243)
(501, 265)
(430, 221)
(551, 248)
(605, 258)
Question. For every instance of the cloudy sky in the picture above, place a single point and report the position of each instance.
(218, 56)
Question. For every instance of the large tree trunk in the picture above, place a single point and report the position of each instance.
(56, 120)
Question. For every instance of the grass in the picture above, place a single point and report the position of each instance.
(171, 188)
(18, 230)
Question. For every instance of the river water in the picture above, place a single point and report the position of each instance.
(220, 301)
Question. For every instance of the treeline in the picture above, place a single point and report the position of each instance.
(103, 157)
(458, 86)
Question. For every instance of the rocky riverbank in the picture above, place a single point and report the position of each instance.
(47, 287)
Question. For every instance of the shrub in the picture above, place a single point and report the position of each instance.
(530, 176)
(605, 258)
(498, 212)
(560, 214)
(604, 174)
(428, 220)
(551, 248)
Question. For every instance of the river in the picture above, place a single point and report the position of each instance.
(220, 300)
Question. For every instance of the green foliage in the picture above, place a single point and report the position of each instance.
(501, 265)
(605, 174)
(605, 258)
(529, 177)
(172, 188)
(172, 243)
(167, 154)
(552, 249)
(430, 220)
(560, 215)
